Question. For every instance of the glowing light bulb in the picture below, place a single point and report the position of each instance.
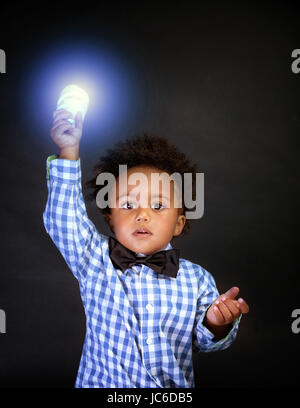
(74, 99)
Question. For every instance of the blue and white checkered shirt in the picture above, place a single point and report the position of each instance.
(141, 326)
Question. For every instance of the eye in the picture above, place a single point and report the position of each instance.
(128, 206)
(157, 206)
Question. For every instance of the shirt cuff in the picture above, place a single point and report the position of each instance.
(64, 170)
(209, 335)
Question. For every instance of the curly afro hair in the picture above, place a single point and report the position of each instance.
(145, 150)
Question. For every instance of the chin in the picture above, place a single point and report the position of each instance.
(144, 249)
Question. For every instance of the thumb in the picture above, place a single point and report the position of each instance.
(78, 120)
(232, 292)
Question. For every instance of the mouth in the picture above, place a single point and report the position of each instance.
(142, 232)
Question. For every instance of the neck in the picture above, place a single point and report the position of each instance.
(141, 254)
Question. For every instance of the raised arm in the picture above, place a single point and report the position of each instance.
(65, 135)
(65, 217)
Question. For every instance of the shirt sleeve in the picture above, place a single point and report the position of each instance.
(65, 217)
(202, 337)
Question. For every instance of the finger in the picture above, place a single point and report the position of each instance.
(233, 307)
(59, 112)
(59, 122)
(218, 315)
(232, 292)
(224, 310)
(62, 128)
(78, 120)
(62, 114)
(244, 308)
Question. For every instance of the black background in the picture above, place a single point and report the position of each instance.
(216, 80)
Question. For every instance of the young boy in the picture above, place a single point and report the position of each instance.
(146, 308)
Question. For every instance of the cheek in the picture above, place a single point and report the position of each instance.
(121, 223)
(167, 220)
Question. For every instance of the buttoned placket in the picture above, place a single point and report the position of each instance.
(148, 342)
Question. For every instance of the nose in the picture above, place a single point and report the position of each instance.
(142, 215)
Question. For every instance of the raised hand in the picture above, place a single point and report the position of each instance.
(225, 309)
(63, 133)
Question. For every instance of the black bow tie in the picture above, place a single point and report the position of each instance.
(165, 262)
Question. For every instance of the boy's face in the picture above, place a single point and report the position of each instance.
(154, 213)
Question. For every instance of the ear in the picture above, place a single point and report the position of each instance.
(179, 225)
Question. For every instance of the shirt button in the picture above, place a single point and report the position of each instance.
(149, 307)
(149, 340)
